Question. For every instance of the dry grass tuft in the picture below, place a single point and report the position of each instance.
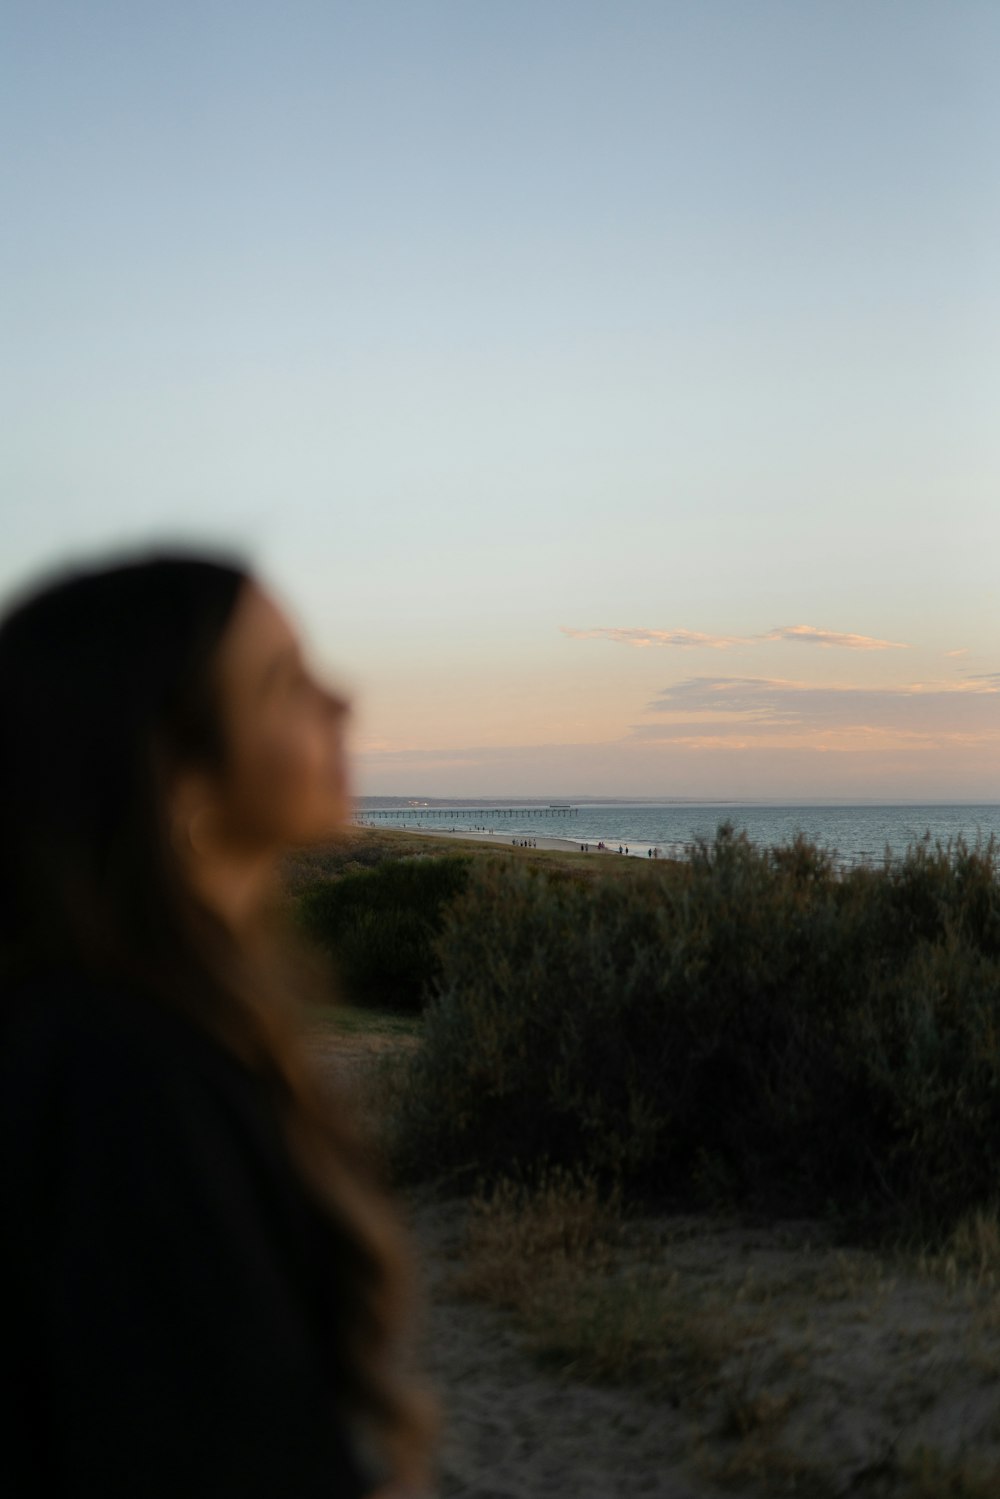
(770, 1468)
(928, 1475)
(555, 1256)
(517, 1234)
(974, 1246)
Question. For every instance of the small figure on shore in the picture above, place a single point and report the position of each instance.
(619, 848)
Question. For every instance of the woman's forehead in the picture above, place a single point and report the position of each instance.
(269, 613)
(260, 631)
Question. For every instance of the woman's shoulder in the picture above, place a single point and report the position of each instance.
(155, 1219)
(101, 1084)
(67, 1014)
(69, 1038)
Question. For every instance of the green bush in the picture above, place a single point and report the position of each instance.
(379, 925)
(764, 1030)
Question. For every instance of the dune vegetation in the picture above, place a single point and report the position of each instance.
(724, 1132)
(750, 1026)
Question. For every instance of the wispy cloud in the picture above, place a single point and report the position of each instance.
(810, 635)
(803, 634)
(642, 638)
(728, 707)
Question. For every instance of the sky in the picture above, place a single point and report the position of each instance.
(607, 389)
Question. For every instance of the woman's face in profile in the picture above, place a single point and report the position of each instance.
(287, 782)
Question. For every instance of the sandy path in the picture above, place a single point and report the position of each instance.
(512, 1433)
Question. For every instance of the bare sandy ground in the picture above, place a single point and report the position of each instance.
(839, 1371)
(834, 1369)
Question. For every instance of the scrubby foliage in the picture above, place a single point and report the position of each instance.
(379, 926)
(353, 850)
(763, 1030)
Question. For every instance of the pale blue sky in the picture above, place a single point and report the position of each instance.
(473, 321)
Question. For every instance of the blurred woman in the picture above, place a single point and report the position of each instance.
(205, 1287)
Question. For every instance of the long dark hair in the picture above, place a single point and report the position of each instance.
(108, 687)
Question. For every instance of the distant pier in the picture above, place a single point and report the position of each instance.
(459, 814)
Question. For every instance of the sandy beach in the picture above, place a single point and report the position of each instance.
(501, 837)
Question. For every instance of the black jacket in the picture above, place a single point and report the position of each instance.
(162, 1269)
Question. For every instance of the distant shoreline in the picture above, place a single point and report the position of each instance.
(851, 835)
(462, 803)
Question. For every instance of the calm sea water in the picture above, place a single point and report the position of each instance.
(854, 834)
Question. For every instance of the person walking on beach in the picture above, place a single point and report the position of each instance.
(207, 1291)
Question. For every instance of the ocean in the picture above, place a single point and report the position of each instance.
(853, 834)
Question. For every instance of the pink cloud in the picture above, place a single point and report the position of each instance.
(724, 706)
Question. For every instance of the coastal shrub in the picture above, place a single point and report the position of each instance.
(352, 850)
(379, 924)
(764, 1030)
